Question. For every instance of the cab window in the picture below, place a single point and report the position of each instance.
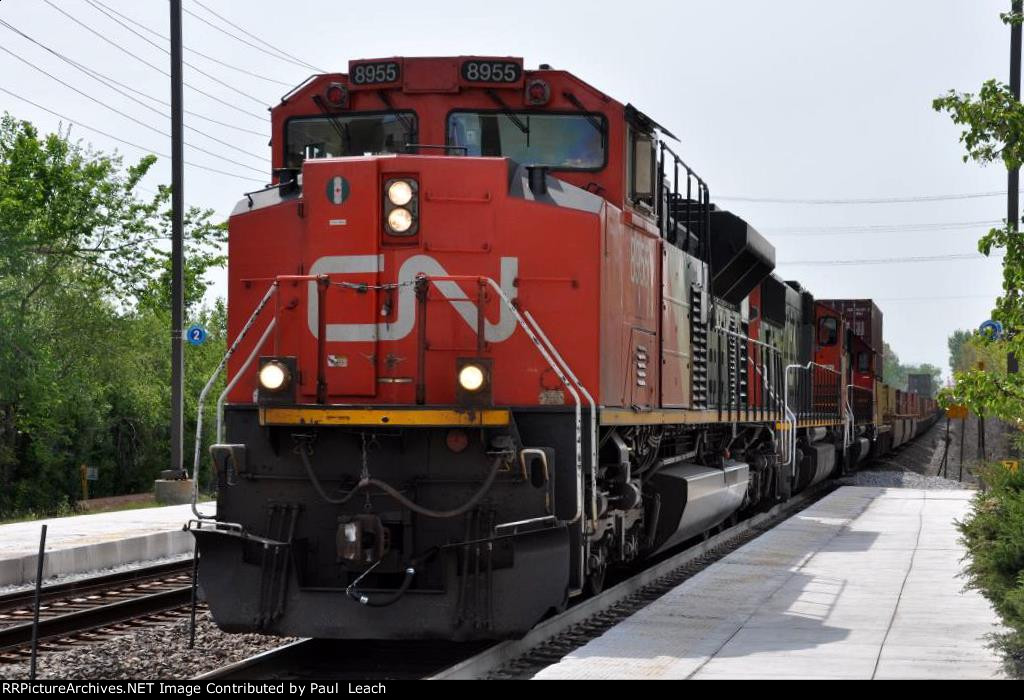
(556, 141)
(642, 163)
(863, 362)
(347, 135)
(828, 331)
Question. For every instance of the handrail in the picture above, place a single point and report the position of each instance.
(209, 385)
(793, 418)
(540, 341)
(238, 375)
(547, 358)
(593, 414)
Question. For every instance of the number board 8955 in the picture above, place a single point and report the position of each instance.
(380, 73)
(481, 71)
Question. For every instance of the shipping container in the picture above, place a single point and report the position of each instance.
(921, 384)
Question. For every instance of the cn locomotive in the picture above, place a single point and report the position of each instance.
(490, 338)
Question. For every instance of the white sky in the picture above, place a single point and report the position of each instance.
(795, 99)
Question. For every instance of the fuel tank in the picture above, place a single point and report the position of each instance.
(695, 498)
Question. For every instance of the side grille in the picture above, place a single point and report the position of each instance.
(641, 366)
(699, 337)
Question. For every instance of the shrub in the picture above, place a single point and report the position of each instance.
(994, 536)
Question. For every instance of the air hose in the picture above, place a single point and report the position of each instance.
(389, 599)
(397, 495)
(393, 597)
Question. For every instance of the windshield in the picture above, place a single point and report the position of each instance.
(558, 141)
(349, 135)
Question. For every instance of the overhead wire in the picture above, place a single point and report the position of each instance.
(865, 200)
(893, 261)
(121, 140)
(284, 56)
(102, 77)
(882, 228)
(151, 65)
(197, 52)
(214, 78)
(144, 105)
(125, 115)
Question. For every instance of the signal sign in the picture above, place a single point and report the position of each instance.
(957, 412)
(196, 335)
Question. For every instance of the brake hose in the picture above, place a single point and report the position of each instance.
(397, 495)
(395, 596)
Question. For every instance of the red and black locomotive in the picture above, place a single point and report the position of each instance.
(491, 338)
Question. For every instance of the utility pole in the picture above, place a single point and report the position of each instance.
(1013, 198)
(177, 470)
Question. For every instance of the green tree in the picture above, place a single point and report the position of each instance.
(84, 319)
(958, 350)
(993, 131)
(893, 373)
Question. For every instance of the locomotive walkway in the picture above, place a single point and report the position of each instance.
(85, 543)
(864, 584)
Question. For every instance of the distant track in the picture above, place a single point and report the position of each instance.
(81, 611)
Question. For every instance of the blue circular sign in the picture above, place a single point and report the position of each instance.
(993, 329)
(196, 335)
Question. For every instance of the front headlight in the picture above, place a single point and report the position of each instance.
(401, 206)
(400, 193)
(400, 220)
(274, 376)
(471, 378)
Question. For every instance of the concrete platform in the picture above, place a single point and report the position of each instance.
(85, 543)
(862, 585)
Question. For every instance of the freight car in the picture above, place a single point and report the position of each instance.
(490, 338)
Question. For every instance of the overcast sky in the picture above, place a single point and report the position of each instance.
(785, 100)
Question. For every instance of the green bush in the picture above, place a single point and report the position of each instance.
(994, 536)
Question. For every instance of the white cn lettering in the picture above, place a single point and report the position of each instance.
(406, 319)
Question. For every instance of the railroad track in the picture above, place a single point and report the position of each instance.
(544, 645)
(92, 609)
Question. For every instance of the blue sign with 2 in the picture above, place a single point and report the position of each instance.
(196, 335)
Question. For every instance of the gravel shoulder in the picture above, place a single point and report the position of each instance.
(151, 653)
(919, 465)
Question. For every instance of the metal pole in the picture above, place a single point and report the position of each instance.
(195, 597)
(963, 439)
(177, 248)
(1013, 190)
(35, 607)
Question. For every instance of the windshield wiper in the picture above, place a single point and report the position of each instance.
(341, 128)
(594, 121)
(507, 111)
(409, 130)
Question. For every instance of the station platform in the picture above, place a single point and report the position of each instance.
(863, 584)
(81, 544)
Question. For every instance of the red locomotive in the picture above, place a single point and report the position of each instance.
(493, 338)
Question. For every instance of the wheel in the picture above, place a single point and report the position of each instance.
(598, 566)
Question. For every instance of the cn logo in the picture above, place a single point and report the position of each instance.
(403, 325)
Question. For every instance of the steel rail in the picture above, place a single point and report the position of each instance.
(85, 586)
(101, 616)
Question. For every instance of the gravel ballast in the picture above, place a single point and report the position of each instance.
(149, 653)
(914, 466)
